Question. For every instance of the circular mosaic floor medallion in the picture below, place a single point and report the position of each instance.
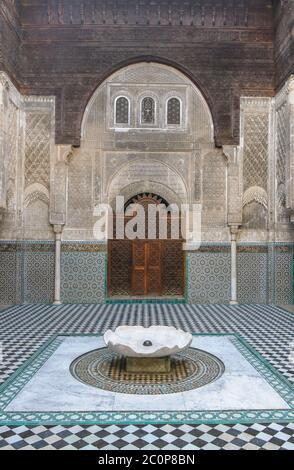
(192, 368)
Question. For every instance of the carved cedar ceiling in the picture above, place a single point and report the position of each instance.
(236, 35)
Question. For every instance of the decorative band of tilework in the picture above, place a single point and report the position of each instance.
(212, 249)
(38, 248)
(242, 248)
(49, 246)
(253, 248)
(283, 248)
(92, 247)
(83, 247)
(27, 247)
(8, 247)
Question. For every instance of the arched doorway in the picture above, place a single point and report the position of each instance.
(146, 130)
(148, 267)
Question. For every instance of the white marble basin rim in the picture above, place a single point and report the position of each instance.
(129, 341)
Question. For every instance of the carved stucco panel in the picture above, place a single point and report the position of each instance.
(112, 162)
(234, 184)
(255, 147)
(142, 171)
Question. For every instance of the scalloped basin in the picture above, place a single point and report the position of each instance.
(129, 341)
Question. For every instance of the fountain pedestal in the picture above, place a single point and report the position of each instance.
(148, 365)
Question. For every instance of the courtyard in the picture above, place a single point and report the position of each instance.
(267, 329)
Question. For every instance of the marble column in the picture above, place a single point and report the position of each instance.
(234, 280)
(57, 231)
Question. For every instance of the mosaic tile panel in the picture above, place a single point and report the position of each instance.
(38, 277)
(284, 276)
(252, 278)
(83, 277)
(271, 275)
(208, 278)
(105, 370)
(264, 275)
(8, 278)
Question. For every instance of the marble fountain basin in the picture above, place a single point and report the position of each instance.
(147, 350)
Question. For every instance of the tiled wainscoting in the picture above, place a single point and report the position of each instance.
(208, 275)
(83, 273)
(27, 272)
(265, 273)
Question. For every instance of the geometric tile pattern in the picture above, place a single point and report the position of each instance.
(82, 277)
(27, 274)
(149, 437)
(209, 277)
(268, 329)
(142, 415)
(283, 277)
(252, 278)
(189, 370)
(39, 277)
(8, 276)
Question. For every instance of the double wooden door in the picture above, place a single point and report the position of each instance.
(146, 267)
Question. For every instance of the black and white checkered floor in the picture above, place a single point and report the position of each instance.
(270, 330)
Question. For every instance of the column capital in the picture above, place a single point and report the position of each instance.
(57, 228)
(64, 153)
(234, 229)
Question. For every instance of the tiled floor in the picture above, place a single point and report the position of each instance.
(270, 330)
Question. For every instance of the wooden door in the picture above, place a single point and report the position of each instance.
(139, 268)
(153, 267)
(146, 275)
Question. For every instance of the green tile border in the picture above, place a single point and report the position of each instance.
(24, 374)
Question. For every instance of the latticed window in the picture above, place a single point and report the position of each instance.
(174, 111)
(148, 111)
(122, 110)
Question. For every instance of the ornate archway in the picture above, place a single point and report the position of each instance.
(129, 156)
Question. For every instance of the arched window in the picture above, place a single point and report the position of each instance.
(173, 111)
(122, 110)
(148, 111)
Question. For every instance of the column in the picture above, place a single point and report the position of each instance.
(57, 230)
(234, 282)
